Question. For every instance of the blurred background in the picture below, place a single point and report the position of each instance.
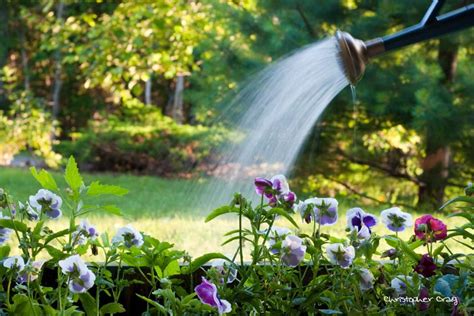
(138, 92)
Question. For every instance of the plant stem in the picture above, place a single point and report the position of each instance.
(241, 241)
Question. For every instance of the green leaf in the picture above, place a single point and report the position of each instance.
(171, 269)
(96, 189)
(198, 262)
(22, 306)
(112, 308)
(12, 224)
(466, 199)
(55, 253)
(88, 303)
(408, 251)
(221, 211)
(285, 214)
(45, 179)
(56, 235)
(329, 311)
(72, 175)
(4, 251)
(438, 251)
(157, 305)
(112, 209)
(416, 244)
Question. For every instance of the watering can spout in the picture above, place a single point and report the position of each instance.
(355, 53)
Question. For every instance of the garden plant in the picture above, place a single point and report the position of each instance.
(274, 270)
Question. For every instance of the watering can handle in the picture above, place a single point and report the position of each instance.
(432, 12)
(431, 26)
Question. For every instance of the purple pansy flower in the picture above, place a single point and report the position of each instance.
(207, 293)
(29, 212)
(324, 211)
(360, 221)
(4, 232)
(426, 266)
(276, 189)
(395, 219)
(31, 271)
(366, 279)
(14, 262)
(225, 270)
(129, 236)
(46, 202)
(81, 278)
(340, 255)
(26, 272)
(276, 234)
(292, 251)
(399, 284)
(424, 300)
(84, 232)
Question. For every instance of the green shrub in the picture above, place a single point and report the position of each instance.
(27, 126)
(142, 139)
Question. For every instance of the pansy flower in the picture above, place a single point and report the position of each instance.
(341, 255)
(207, 293)
(276, 189)
(366, 279)
(31, 271)
(395, 219)
(423, 299)
(361, 222)
(46, 202)
(321, 210)
(30, 213)
(84, 232)
(14, 262)
(129, 236)
(400, 283)
(26, 272)
(275, 236)
(81, 278)
(225, 270)
(426, 266)
(4, 232)
(430, 229)
(292, 251)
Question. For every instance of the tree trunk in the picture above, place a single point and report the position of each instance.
(148, 86)
(4, 10)
(175, 106)
(438, 156)
(58, 67)
(24, 61)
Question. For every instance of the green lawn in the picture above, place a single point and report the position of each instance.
(148, 196)
(166, 209)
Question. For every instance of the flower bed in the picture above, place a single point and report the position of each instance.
(289, 272)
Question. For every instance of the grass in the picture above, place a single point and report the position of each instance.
(164, 208)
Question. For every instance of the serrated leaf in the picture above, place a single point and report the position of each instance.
(72, 175)
(198, 262)
(96, 189)
(221, 211)
(157, 305)
(112, 308)
(112, 209)
(4, 251)
(12, 224)
(88, 303)
(45, 179)
(329, 312)
(285, 214)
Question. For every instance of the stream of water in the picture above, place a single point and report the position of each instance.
(280, 106)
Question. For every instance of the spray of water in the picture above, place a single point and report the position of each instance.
(279, 107)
